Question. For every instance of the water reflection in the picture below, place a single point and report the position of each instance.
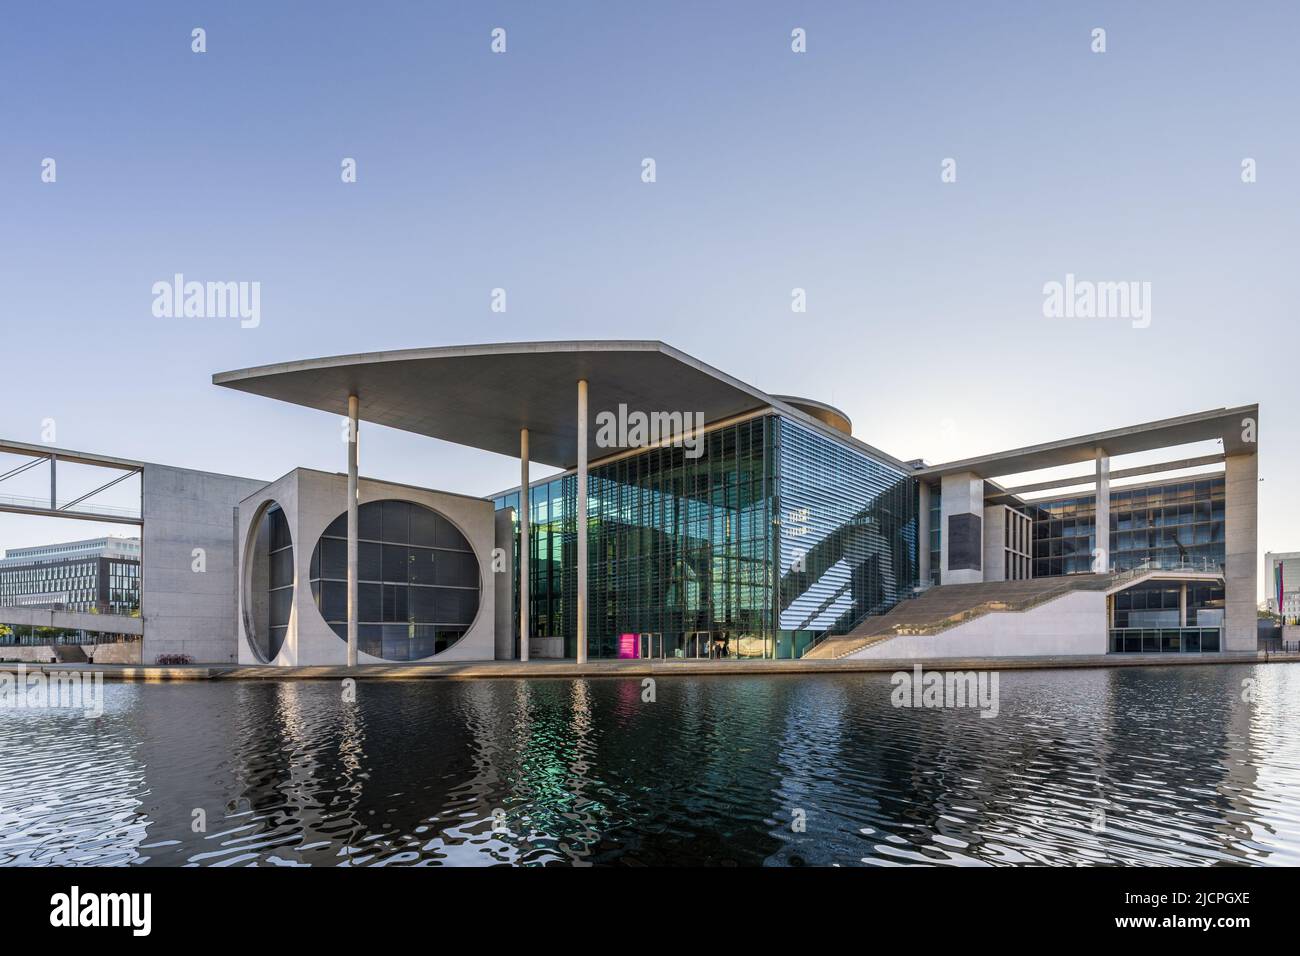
(1131, 766)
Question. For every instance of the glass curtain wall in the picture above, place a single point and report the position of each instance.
(418, 579)
(847, 541)
(697, 557)
(936, 534)
(679, 563)
(1169, 525)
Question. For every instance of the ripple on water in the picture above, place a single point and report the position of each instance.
(1126, 766)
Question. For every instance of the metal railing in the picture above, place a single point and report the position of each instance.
(98, 607)
(1190, 565)
(43, 504)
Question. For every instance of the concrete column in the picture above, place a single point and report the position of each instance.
(923, 533)
(54, 483)
(1241, 551)
(582, 521)
(961, 509)
(1182, 605)
(503, 586)
(995, 543)
(524, 517)
(1101, 549)
(352, 530)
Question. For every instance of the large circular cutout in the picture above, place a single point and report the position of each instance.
(268, 590)
(418, 580)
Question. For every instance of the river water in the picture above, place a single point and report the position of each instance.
(1133, 765)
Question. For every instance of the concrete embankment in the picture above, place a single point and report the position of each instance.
(637, 668)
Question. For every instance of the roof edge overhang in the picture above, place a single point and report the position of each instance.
(1220, 423)
(747, 399)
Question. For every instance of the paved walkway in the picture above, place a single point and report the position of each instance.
(638, 668)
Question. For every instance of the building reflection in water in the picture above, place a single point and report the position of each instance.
(1171, 762)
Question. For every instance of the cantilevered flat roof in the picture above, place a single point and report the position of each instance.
(481, 395)
(1225, 424)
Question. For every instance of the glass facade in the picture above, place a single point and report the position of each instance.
(418, 580)
(269, 599)
(1159, 604)
(97, 584)
(1172, 525)
(773, 534)
(1176, 640)
(279, 578)
(936, 532)
(847, 536)
(1169, 525)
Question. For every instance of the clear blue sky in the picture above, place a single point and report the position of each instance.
(775, 170)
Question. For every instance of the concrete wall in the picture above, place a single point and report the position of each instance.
(28, 653)
(311, 501)
(503, 585)
(962, 494)
(187, 611)
(1070, 625)
(541, 648)
(923, 533)
(995, 549)
(1241, 550)
(122, 652)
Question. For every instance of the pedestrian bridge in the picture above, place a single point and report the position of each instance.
(72, 620)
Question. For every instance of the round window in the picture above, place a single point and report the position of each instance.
(268, 595)
(418, 580)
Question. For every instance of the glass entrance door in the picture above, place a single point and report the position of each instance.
(650, 644)
(698, 644)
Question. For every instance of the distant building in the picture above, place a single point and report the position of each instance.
(1283, 584)
(98, 574)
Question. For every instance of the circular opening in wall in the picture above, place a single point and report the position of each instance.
(418, 580)
(268, 589)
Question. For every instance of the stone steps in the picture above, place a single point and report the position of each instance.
(939, 608)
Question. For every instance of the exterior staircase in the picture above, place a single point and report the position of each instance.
(70, 654)
(939, 608)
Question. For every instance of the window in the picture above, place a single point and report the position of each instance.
(418, 580)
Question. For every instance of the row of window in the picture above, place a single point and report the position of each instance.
(1185, 640)
(111, 585)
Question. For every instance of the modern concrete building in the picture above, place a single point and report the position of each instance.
(693, 516)
(1282, 584)
(187, 608)
(95, 575)
(425, 588)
